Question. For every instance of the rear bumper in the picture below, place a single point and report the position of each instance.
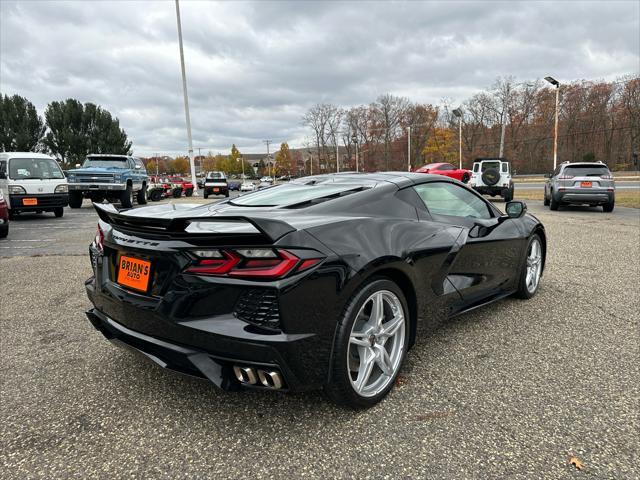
(221, 189)
(493, 190)
(211, 350)
(45, 202)
(582, 196)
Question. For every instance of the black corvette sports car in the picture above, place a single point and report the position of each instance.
(317, 283)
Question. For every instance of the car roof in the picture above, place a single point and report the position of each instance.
(490, 159)
(584, 164)
(400, 179)
(114, 155)
(6, 155)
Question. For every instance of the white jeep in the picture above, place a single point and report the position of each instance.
(492, 176)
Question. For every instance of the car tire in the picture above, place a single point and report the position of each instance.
(126, 197)
(608, 207)
(346, 360)
(527, 289)
(545, 201)
(507, 194)
(490, 176)
(58, 212)
(465, 177)
(75, 199)
(142, 195)
(205, 194)
(177, 192)
(4, 230)
(553, 203)
(188, 192)
(226, 194)
(156, 195)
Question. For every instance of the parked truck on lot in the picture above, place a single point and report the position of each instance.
(118, 178)
(32, 182)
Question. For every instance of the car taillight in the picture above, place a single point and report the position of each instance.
(98, 241)
(565, 177)
(261, 263)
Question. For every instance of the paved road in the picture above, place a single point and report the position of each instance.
(507, 391)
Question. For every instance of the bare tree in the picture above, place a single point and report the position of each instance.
(390, 110)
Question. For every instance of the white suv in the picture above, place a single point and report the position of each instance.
(492, 176)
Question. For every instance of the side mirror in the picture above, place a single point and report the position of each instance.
(516, 209)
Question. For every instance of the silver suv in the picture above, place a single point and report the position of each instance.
(580, 183)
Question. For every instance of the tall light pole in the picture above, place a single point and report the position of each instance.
(458, 113)
(186, 103)
(337, 157)
(268, 142)
(242, 161)
(409, 148)
(354, 139)
(556, 83)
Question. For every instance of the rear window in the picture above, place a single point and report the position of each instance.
(215, 175)
(290, 194)
(487, 165)
(35, 168)
(585, 171)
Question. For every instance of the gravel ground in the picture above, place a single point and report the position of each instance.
(512, 390)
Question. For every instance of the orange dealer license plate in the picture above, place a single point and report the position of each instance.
(134, 273)
(30, 201)
(585, 184)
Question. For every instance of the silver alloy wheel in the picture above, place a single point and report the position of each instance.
(376, 343)
(534, 265)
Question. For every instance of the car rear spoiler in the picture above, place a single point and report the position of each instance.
(270, 228)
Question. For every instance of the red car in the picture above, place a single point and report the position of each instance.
(180, 186)
(447, 170)
(4, 217)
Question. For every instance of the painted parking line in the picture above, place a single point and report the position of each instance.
(31, 228)
(25, 240)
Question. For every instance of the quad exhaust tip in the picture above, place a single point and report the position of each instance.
(245, 375)
(268, 378)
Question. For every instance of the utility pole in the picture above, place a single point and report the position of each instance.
(268, 142)
(157, 166)
(409, 148)
(337, 157)
(460, 140)
(186, 103)
(504, 127)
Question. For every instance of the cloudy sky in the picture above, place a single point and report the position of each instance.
(254, 68)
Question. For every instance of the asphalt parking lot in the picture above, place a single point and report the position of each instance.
(512, 390)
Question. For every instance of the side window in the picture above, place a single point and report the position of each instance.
(505, 167)
(556, 172)
(446, 166)
(443, 198)
(476, 167)
(139, 162)
(3, 166)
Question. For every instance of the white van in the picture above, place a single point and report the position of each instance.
(33, 182)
